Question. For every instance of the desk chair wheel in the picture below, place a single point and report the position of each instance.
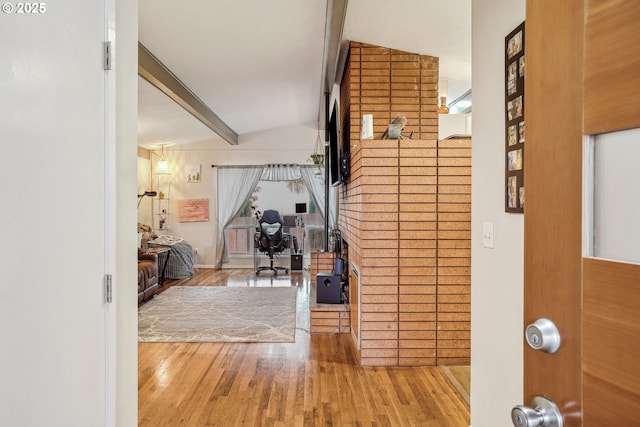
(272, 268)
(286, 271)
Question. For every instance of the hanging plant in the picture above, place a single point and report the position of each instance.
(317, 159)
(318, 152)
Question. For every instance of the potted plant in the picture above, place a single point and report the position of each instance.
(317, 159)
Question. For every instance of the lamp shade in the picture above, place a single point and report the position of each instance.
(163, 167)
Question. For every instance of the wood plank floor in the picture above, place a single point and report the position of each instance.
(312, 382)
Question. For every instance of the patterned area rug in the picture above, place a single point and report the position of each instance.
(219, 314)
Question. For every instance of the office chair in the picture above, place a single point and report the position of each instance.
(270, 239)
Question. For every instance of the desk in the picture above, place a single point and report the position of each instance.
(290, 242)
(157, 250)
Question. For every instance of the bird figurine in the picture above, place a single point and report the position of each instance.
(402, 120)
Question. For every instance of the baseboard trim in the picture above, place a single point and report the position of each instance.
(204, 266)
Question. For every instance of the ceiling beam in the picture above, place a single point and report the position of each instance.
(335, 24)
(154, 71)
(331, 60)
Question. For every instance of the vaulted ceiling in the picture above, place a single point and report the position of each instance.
(261, 65)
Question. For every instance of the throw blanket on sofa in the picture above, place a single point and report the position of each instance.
(180, 263)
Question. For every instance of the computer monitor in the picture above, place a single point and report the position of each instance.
(289, 220)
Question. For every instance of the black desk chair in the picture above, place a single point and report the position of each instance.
(270, 239)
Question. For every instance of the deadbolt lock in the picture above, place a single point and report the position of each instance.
(543, 335)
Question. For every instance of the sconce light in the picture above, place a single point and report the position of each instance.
(443, 92)
(162, 167)
(146, 193)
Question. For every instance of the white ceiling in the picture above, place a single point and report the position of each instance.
(258, 63)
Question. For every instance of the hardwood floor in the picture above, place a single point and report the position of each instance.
(312, 382)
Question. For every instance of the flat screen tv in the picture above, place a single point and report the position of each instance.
(334, 146)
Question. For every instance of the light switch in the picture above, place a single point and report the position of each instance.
(487, 235)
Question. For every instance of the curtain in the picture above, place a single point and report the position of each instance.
(235, 186)
(314, 180)
(280, 172)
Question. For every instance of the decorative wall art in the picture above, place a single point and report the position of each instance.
(193, 210)
(193, 173)
(514, 120)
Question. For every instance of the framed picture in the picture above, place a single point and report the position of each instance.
(514, 103)
(193, 210)
(512, 135)
(514, 160)
(193, 173)
(515, 42)
(512, 78)
(512, 191)
(515, 108)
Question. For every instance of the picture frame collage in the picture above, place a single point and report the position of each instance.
(514, 120)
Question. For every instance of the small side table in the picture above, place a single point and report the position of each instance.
(160, 250)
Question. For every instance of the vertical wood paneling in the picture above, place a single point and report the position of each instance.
(611, 331)
(610, 316)
(612, 50)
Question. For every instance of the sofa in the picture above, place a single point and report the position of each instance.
(148, 282)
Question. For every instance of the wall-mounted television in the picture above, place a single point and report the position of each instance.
(334, 146)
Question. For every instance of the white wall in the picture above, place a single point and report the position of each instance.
(496, 274)
(126, 292)
(289, 145)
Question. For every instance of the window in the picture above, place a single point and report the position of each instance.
(281, 196)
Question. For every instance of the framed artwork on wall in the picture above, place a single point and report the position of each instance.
(193, 210)
(193, 173)
(514, 46)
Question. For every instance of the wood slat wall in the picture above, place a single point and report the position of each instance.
(611, 80)
(611, 321)
(454, 251)
(321, 262)
(329, 322)
(326, 318)
(405, 214)
(418, 278)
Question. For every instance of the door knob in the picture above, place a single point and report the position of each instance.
(543, 335)
(544, 413)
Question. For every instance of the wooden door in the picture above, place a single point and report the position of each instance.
(54, 321)
(581, 55)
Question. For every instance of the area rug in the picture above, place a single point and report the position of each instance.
(219, 314)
